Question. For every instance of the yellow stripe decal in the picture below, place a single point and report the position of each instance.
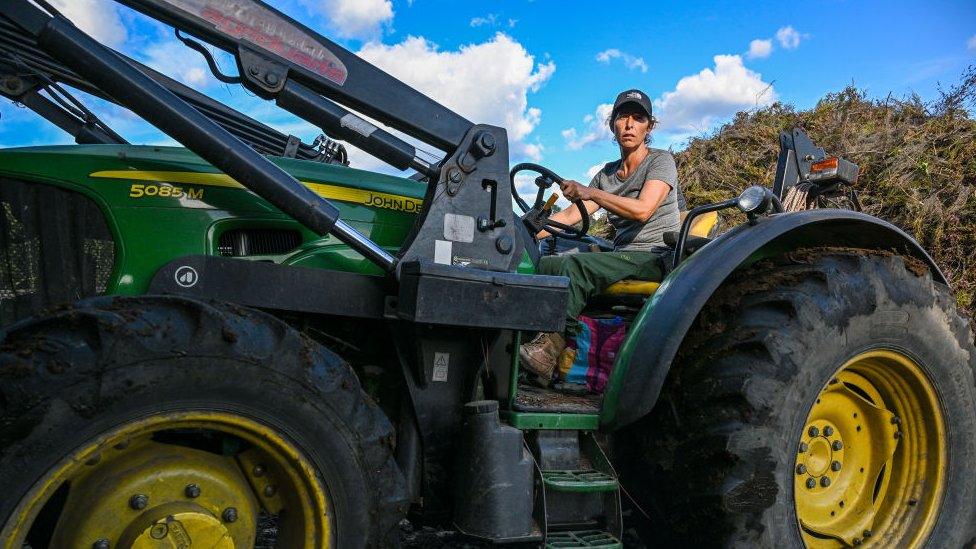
(332, 192)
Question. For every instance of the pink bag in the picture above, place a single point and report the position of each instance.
(596, 346)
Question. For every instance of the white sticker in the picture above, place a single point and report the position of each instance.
(357, 125)
(442, 252)
(441, 363)
(459, 228)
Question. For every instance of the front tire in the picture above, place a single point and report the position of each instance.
(132, 419)
(822, 399)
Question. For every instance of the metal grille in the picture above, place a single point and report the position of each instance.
(55, 247)
(248, 242)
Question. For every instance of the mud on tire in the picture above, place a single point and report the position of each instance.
(713, 464)
(74, 374)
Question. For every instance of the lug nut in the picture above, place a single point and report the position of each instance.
(803, 447)
(813, 432)
(801, 469)
(835, 466)
(138, 502)
(192, 491)
(270, 490)
(229, 514)
(837, 445)
(811, 483)
(828, 430)
(101, 544)
(867, 533)
(825, 482)
(258, 470)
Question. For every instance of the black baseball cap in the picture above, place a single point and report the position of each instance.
(635, 96)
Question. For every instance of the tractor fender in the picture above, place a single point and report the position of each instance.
(659, 329)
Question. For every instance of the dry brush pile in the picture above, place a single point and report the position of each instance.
(917, 159)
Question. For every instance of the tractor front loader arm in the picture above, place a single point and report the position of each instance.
(466, 220)
(133, 89)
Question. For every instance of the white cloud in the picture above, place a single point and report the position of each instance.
(701, 99)
(593, 170)
(788, 38)
(760, 49)
(175, 60)
(491, 19)
(363, 19)
(595, 129)
(971, 43)
(486, 83)
(630, 61)
(99, 18)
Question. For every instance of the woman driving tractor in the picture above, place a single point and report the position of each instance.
(641, 195)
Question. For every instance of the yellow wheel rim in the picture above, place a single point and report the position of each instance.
(872, 455)
(169, 480)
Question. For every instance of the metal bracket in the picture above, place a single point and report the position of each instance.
(291, 147)
(261, 75)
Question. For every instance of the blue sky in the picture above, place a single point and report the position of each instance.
(547, 69)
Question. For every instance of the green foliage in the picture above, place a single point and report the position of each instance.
(917, 159)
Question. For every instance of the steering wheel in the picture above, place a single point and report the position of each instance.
(536, 218)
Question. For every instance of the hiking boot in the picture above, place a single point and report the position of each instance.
(541, 355)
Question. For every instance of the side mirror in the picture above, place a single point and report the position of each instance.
(755, 201)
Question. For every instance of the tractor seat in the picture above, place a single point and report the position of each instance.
(704, 226)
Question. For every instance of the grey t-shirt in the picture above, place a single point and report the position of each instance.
(634, 235)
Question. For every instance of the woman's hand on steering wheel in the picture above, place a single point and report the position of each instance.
(537, 217)
(574, 191)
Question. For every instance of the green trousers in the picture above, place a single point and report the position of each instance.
(590, 273)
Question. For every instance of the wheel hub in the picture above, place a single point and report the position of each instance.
(175, 479)
(152, 495)
(818, 457)
(860, 470)
(180, 526)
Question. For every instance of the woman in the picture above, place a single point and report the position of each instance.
(640, 193)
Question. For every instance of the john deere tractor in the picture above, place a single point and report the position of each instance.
(244, 342)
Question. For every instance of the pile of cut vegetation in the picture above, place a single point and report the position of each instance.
(917, 159)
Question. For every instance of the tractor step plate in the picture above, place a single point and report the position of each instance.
(579, 481)
(582, 538)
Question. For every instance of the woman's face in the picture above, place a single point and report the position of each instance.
(631, 126)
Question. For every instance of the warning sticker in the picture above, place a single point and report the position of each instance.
(442, 362)
(442, 252)
(459, 228)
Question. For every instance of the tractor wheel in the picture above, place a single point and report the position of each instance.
(154, 421)
(822, 399)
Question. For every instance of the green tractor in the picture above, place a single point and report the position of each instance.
(246, 343)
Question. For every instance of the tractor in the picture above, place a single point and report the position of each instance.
(244, 342)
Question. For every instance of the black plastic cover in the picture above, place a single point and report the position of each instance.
(433, 293)
(494, 478)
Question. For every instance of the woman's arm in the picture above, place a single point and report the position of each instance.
(641, 209)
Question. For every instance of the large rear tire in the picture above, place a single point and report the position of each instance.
(822, 399)
(132, 419)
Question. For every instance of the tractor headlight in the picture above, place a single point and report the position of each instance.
(754, 200)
